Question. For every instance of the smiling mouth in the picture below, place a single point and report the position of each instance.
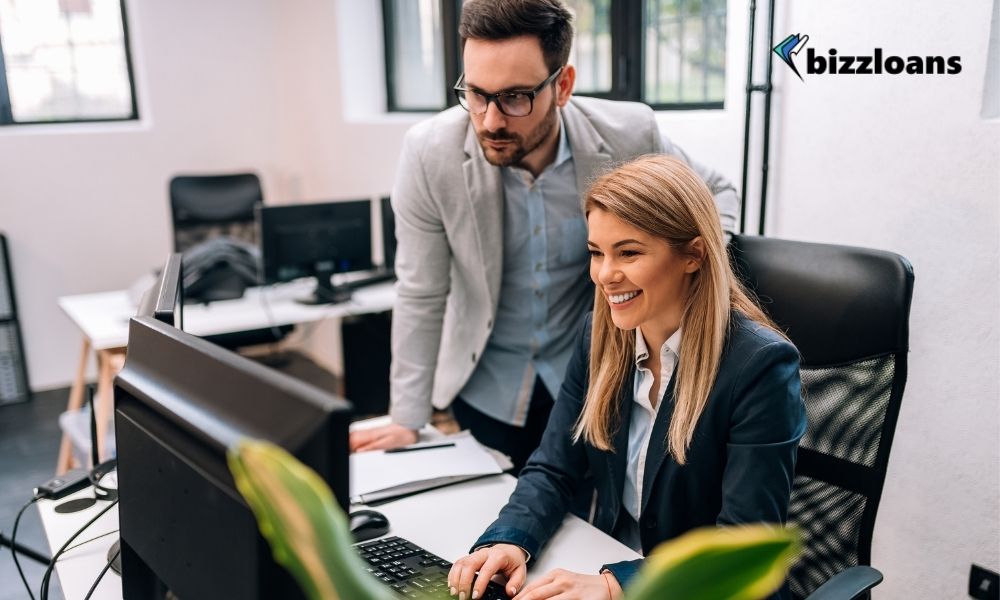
(624, 298)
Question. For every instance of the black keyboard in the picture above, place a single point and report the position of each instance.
(412, 571)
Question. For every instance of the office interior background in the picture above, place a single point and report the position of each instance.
(296, 92)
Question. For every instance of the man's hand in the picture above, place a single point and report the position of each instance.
(503, 559)
(382, 438)
(566, 584)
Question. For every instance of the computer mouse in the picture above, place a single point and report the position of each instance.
(368, 524)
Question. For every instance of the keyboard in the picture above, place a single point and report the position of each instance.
(412, 571)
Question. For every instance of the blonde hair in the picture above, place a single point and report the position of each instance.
(663, 197)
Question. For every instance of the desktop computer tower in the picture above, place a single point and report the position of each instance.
(367, 354)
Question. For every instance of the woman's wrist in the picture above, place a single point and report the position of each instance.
(527, 555)
(614, 588)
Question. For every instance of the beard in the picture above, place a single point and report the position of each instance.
(519, 146)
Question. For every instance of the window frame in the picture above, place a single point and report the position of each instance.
(450, 12)
(628, 60)
(6, 110)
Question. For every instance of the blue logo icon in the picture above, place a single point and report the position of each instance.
(789, 48)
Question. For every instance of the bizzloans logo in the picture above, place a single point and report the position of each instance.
(878, 63)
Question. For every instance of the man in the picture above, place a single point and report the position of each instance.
(492, 255)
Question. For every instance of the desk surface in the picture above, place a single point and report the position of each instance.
(103, 317)
(429, 519)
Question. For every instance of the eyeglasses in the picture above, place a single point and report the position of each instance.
(512, 104)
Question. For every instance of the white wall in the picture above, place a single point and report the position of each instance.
(85, 206)
(899, 163)
(905, 163)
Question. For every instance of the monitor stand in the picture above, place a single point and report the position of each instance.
(326, 292)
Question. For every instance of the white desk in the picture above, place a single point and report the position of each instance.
(103, 319)
(78, 568)
(445, 521)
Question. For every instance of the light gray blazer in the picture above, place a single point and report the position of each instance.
(448, 205)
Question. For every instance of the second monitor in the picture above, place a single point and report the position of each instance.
(316, 240)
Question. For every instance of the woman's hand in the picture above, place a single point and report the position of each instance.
(566, 585)
(503, 559)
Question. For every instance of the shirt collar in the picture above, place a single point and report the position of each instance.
(673, 344)
(565, 152)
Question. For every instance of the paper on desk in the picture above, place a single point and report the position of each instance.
(376, 475)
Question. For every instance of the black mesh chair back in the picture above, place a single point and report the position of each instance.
(209, 206)
(204, 207)
(847, 310)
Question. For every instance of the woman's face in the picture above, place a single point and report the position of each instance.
(644, 281)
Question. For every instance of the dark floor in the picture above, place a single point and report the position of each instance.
(29, 446)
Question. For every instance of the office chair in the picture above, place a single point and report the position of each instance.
(207, 207)
(847, 310)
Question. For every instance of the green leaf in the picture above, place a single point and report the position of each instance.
(308, 532)
(715, 563)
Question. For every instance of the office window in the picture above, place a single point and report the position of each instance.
(591, 54)
(64, 61)
(685, 52)
(415, 56)
(670, 54)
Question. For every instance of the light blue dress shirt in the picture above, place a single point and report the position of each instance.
(544, 293)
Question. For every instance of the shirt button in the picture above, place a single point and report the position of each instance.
(538, 229)
(473, 357)
(538, 293)
(489, 324)
(538, 266)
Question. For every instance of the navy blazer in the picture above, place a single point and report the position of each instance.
(739, 467)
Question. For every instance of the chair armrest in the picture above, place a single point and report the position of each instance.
(848, 584)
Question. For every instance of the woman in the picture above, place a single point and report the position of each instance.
(681, 400)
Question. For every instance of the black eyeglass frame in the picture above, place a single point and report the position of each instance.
(495, 98)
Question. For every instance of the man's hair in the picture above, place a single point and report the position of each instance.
(548, 20)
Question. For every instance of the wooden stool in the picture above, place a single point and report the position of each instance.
(109, 362)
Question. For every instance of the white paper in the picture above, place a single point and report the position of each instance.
(378, 470)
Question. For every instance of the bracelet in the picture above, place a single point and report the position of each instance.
(604, 574)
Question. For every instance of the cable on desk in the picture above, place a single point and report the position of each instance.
(93, 539)
(275, 330)
(44, 592)
(265, 303)
(13, 544)
(100, 575)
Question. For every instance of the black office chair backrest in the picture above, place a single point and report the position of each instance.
(209, 206)
(847, 310)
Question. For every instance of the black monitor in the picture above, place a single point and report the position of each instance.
(388, 235)
(164, 301)
(180, 402)
(316, 240)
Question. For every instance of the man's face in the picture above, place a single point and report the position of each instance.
(515, 64)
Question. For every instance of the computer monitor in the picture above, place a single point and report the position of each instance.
(180, 402)
(388, 235)
(316, 240)
(164, 301)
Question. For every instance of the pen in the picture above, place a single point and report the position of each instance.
(415, 448)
